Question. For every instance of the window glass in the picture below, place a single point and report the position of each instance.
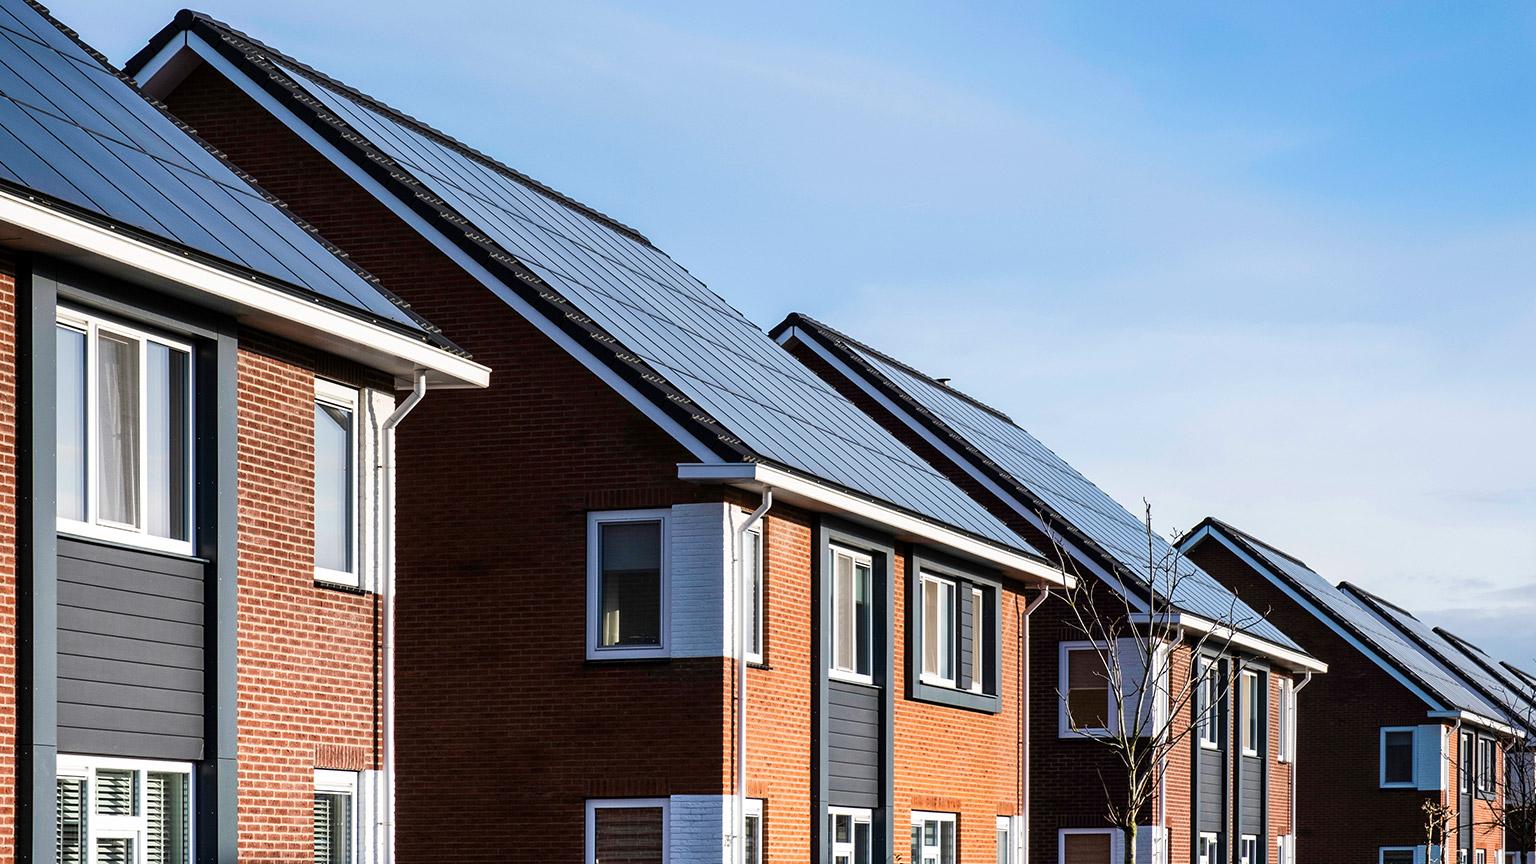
(939, 628)
(1087, 689)
(933, 836)
(166, 430)
(117, 432)
(1210, 849)
(1397, 756)
(166, 806)
(1487, 765)
(754, 838)
(109, 811)
(1205, 703)
(333, 828)
(627, 835)
(1004, 845)
(848, 836)
(70, 835)
(851, 610)
(1248, 850)
(1249, 712)
(1089, 848)
(71, 423)
(979, 619)
(1397, 856)
(752, 559)
(630, 582)
(335, 450)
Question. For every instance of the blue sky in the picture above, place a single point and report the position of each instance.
(1267, 262)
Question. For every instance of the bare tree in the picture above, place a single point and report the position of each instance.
(1159, 693)
(1440, 823)
(1510, 788)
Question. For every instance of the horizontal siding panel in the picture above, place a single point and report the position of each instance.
(130, 720)
(853, 695)
(135, 603)
(107, 742)
(850, 793)
(130, 627)
(131, 650)
(116, 695)
(86, 669)
(858, 742)
(854, 770)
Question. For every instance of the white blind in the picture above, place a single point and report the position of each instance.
(70, 834)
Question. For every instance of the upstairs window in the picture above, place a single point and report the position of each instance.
(939, 616)
(336, 483)
(852, 614)
(1286, 751)
(1251, 713)
(1487, 766)
(124, 434)
(1397, 756)
(953, 657)
(628, 586)
(752, 559)
(1206, 721)
(1089, 704)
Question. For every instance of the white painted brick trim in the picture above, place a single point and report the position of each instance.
(698, 829)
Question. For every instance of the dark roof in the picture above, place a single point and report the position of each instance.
(1359, 623)
(1518, 683)
(77, 135)
(633, 308)
(1488, 684)
(1039, 479)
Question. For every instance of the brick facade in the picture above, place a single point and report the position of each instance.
(8, 527)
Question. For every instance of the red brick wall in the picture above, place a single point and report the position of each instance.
(306, 673)
(7, 558)
(1280, 775)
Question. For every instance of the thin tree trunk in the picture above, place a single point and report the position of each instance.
(1130, 843)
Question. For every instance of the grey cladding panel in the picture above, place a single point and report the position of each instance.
(130, 653)
(853, 744)
(1251, 790)
(1212, 796)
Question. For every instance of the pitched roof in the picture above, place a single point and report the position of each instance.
(1035, 476)
(630, 306)
(1511, 700)
(77, 135)
(1356, 621)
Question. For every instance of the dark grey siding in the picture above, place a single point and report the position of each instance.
(853, 745)
(130, 653)
(967, 633)
(1212, 794)
(1251, 796)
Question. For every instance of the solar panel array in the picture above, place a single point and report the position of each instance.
(1392, 646)
(1512, 702)
(1071, 495)
(683, 330)
(72, 130)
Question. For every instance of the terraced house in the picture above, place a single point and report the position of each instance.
(1226, 787)
(195, 456)
(657, 585)
(1402, 720)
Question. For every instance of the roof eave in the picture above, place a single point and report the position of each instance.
(1299, 661)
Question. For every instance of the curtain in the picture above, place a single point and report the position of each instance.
(118, 422)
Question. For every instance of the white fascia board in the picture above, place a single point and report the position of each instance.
(161, 65)
(799, 491)
(1007, 497)
(1479, 720)
(98, 247)
(1291, 659)
(1371, 653)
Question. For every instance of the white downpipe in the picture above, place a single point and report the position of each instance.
(739, 832)
(386, 586)
(1029, 610)
(1296, 737)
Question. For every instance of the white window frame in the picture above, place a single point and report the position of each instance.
(757, 627)
(1116, 840)
(1381, 755)
(94, 527)
(858, 814)
(342, 396)
(1010, 847)
(1207, 706)
(136, 828)
(1285, 849)
(978, 640)
(833, 671)
(1247, 849)
(1480, 856)
(1487, 782)
(934, 678)
(595, 648)
(1381, 852)
(596, 804)
(343, 783)
(921, 816)
(1285, 750)
(1207, 848)
(755, 811)
(1251, 725)
(1064, 718)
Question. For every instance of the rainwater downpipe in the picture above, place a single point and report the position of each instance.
(1296, 736)
(1024, 718)
(743, 597)
(384, 519)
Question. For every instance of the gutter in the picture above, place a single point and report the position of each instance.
(1295, 660)
(739, 846)
(797, 490)
(1477, 720)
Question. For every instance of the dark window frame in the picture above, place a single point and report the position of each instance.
(965, 577)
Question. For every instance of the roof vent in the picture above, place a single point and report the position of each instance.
(944, 381)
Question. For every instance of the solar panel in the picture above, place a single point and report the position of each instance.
(74, 131)
(1386, 641)
(680, 328)
(1069, 494)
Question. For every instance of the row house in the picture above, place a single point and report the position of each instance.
(196, 404)
(1401, 721)
(1225, 794)
(661, 589)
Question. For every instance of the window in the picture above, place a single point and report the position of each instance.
(123, 811)
(754, 831)
(1004, 840)
(124, 434)
(1465, 766)
(848, 835)
(1087, 846)
(1285, 849)
(939, 616)
(1250, 713)
(626, 831)
(336, 475)
(1205, 704)
(1286, 750)
(1248, 849)
(852, 614)
(1398, 854)
(627, 584)
(1086, 688)
(1397, 756)
(978, 663)
(1487, 765)
(752, 559)
(1481, 856)
(933, 837)
(335, 817)
(1209, 849)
